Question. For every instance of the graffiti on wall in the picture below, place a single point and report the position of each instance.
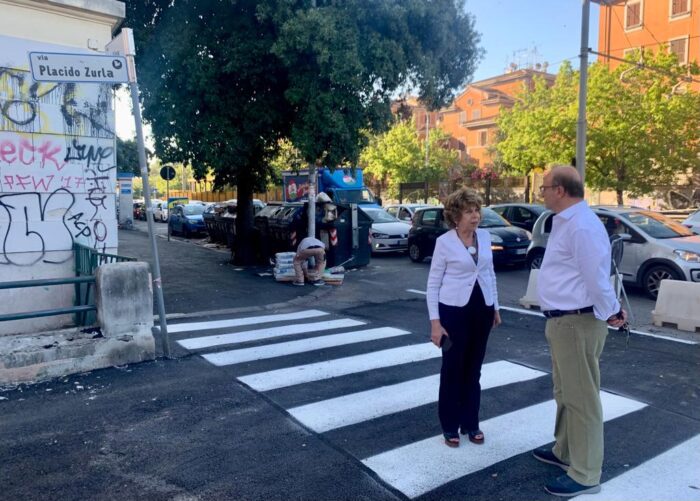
(57, 163)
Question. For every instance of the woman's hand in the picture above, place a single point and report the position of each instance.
(436, 332)
(496, 318)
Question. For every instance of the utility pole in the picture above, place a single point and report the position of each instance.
(124, 45)
(582, 93)
(427, 137)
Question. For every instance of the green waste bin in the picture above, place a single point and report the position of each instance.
(352, 233)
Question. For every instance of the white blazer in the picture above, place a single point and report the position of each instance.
(453, 272)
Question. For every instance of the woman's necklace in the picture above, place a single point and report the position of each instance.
(471, 248)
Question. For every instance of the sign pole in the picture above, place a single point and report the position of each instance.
(167, 205)
(124, 44)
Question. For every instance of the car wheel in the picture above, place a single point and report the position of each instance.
(534, 260)
(651, 281)
(185, 231)
(415, 253)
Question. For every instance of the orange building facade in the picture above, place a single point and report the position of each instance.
(471, 118)
(625, 26)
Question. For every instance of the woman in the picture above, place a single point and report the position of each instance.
(463, 307)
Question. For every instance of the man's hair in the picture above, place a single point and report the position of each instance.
(572, 185)
(463, 198)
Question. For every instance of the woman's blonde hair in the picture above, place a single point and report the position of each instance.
(457, 202)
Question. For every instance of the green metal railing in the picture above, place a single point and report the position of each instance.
(87, 260)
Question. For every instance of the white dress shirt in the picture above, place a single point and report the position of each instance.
(453, 272)
(575, 271)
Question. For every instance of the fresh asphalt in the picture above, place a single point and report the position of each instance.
(187, 429)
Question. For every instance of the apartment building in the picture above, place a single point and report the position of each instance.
(625, 26)
(471, 118)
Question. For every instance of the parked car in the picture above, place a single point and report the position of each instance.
(508, 243)
(160, 210)
(658, 248)
(387, 233)
(693, 222)
(520, 215)
(404, 212)
(186, 219)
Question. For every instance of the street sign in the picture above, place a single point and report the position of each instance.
(167, 172)
(78, 68)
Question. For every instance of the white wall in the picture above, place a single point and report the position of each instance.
(57, 157)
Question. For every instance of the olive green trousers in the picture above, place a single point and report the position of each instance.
(576, 342)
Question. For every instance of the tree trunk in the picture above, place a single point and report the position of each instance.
(527, 187)
(245, 243)
(620, 200)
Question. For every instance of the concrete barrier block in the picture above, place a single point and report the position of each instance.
(678, 303)
(124, 299)
(530, 300)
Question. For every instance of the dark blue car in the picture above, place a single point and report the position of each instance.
(187, 219)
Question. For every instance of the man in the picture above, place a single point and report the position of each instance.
(578, 300)
(310, 247)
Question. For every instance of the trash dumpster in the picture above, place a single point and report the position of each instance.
(220, 220)
(347, 237)
(282, 227)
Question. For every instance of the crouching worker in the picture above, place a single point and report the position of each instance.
(310, 247)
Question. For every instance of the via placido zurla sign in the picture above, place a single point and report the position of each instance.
(83, 68)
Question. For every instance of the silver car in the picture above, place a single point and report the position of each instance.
(658, 248)
(693, 222)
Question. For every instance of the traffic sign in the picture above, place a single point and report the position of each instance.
(167, 172)
(78, 68)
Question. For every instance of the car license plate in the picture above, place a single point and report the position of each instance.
(520, 251)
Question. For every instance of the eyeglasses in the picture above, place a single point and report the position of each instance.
(544, 187)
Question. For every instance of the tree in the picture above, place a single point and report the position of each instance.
(128, 156)
(640, 131)
(398, 156)
(224, 80)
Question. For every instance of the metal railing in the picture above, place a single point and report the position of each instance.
(87, 260)
(76, 310)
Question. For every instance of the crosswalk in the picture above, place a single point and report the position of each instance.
(373, 391)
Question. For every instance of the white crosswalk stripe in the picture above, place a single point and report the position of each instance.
(259, 334)
(365, 405)
(238, 322)
(673, 475)
(346, 408)
(425, 465)
(280, 378)
(281, 349)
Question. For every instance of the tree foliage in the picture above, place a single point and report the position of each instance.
(398, 156)
(128, 156)
(223, 81)
(641, 133)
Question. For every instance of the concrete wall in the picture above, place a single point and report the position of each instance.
(125, 317)
(57, 153)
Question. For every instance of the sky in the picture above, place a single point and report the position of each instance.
(519, 31)
(536, 30)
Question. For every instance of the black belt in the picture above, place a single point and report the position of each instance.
(315, 247)
(561, 313)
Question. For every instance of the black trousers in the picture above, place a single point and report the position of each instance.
(460, 391)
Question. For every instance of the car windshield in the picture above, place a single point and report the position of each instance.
(380, 216)
(657, 225)
(193, 209)
(489, 219)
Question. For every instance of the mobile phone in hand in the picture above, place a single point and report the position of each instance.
(445, 342)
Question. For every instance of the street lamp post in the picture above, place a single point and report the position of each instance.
(582, 93)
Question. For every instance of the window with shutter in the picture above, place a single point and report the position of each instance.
(679, 47)
(680, 7)
(633, 15)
